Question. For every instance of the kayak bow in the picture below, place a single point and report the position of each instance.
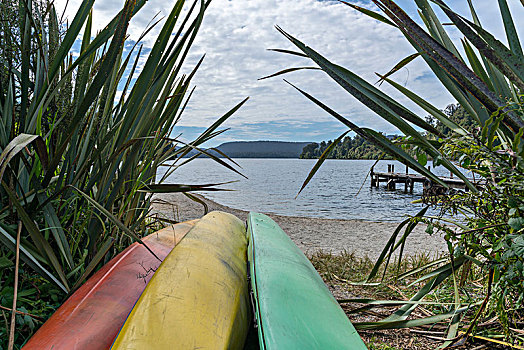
(92, 316)
(198, 297)
(294, 308)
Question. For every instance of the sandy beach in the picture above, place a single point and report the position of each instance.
(365, 238)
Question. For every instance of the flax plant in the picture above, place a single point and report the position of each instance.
(82, 138)
(486, 77)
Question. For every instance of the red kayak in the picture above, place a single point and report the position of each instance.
(93, 315)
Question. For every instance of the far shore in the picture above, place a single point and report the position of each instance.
(364, 238)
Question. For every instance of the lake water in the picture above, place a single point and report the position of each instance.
(272, 185)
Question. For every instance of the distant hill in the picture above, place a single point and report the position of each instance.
(260, 149)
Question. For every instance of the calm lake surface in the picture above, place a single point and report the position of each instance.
(272, 185)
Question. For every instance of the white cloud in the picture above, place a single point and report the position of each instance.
(236, 33)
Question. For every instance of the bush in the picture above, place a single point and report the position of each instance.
(487, 83)
(81, 143)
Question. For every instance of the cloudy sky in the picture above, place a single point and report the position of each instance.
(235, 37)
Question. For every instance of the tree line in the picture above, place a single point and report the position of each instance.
(359, 148)
(348, 148)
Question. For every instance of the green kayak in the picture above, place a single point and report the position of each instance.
(294, 308)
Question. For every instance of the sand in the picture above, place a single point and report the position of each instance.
(364, 238)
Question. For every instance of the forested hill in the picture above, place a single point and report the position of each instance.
(260, 149)
(349, 148)
(456, 113)
(359, 148)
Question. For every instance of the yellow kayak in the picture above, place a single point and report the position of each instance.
(198, 297)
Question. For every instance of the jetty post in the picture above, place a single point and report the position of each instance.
(391, 181)
(391, 184)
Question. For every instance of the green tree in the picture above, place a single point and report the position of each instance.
(457, 114)
(348, 148)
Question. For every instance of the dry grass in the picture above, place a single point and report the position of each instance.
(340, 272)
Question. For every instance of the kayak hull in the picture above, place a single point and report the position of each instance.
(92, 316)
(294, 308)
(198, 297)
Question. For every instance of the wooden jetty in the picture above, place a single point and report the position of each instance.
(391, 178)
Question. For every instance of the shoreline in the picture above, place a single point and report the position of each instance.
(336, 236)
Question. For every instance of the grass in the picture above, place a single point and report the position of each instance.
(349, 267)
(376, 344)
(342, 273)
